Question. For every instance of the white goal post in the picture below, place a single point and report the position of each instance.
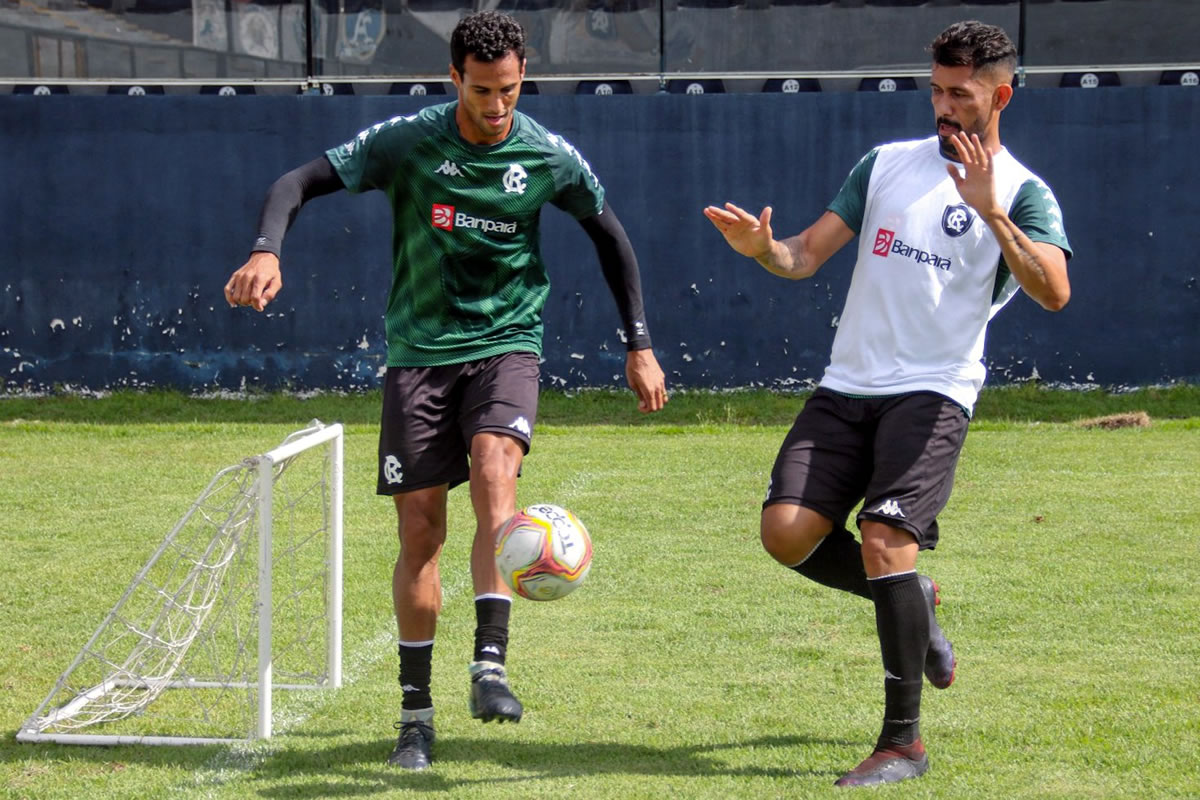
(244, 596)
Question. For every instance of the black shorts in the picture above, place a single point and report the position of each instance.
(896, 454)
(430, 415)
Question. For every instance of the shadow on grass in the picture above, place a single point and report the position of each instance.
(358, 769)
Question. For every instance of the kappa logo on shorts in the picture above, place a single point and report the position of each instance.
(392, 471)
(520, 424)
(891, 508)
(883, 242)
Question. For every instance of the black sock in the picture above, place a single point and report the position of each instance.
(491, 627)
(837, 562)
(902, 620)
(416, 661)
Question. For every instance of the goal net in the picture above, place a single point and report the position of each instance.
(242, 597)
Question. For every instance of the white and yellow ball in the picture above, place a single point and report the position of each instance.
(543, 552)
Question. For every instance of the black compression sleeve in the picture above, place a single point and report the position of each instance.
(285, 197)
(620, 268)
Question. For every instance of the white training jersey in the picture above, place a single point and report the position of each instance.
(929, 274)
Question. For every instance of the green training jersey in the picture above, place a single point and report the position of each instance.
(468, 280)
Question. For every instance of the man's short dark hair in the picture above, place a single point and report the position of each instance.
(977, 45)
(488, 35)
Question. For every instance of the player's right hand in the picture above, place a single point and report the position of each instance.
(256, 283)
(749, 235)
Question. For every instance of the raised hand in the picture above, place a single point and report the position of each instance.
(977, 182)
(746, 234)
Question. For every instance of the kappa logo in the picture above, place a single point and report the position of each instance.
(448, 167)
(883, 242)
(392, 471)
(891, 508)
(514, 179)
(956, 220)
(520, 424)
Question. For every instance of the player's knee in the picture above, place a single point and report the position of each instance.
(887, 550)
(783, 541)
(789, 533)
(495, 459)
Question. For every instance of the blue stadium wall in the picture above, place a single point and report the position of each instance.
(122, 218)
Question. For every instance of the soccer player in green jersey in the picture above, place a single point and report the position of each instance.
(950, 227)
(467, 181)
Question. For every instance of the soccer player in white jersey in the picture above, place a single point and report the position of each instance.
(949, 228)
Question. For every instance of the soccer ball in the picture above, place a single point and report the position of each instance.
(543, 552)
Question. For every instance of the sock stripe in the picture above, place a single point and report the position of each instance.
(893, 575)
(493, 596)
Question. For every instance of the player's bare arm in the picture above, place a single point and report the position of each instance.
(1040, 268)
(646, 379)
(795, 257)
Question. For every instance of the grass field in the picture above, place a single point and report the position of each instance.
(690, 665)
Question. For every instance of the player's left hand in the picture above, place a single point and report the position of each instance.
(977, 183)
(646, 379)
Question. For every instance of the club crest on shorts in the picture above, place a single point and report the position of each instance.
(956, 220)
(392, 471)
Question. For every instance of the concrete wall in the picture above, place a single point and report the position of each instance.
(121, 219)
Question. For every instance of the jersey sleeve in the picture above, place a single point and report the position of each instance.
(1035, 211)
(851, 201)
(577, 190)
(368, 160)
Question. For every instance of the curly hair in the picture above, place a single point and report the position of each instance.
(975, 44)
(487, 35)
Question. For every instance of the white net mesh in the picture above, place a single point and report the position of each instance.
(189, 621)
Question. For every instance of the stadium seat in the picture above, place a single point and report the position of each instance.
(1089, 80)
(329, 89)
(604, 87)
(696, 86)
(39, 89)
(227, 90)
(902, 84)
(792, 85)
(418, 88)
(136, 90)
(1179, 77)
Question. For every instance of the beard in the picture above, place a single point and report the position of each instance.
(944, 143)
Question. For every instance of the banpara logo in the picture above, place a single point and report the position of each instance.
(443, 217)
(883, 242)
(448, 218)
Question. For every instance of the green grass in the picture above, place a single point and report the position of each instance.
(1018, 402)
(689, 665)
